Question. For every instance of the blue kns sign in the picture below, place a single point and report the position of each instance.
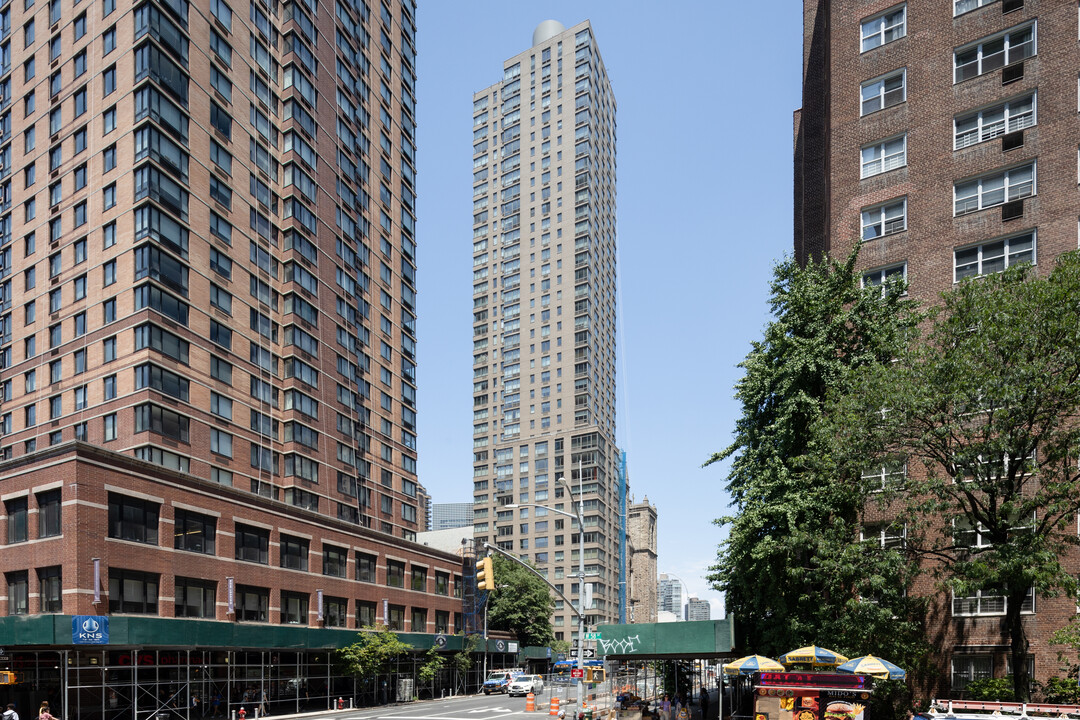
(90, 630)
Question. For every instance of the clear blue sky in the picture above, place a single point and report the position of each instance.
(705, 94)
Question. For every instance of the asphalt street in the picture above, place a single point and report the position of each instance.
(462, 707)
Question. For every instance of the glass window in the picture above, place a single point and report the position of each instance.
(884, 92)
(884, 28)
(994, 256)
(17, 511)
(987, 124)
(195, 532)
(884, 156)
(133, 519)
(994, 52)
(131, 591)
(252, 544)
(195, 598)
(994, 189)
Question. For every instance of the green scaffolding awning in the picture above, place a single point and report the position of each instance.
(670, 641)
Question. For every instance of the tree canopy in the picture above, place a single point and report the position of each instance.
(793, 568)
(374, 652)
(521, 604)
(987, 404)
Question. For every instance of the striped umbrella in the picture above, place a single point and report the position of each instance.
(752, 664)
(813, 655)
(870, 665)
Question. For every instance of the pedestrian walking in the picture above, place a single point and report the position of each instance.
(10, 713)
(704, 703)
(665, 708)
(43, 712)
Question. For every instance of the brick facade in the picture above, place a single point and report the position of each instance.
(831, 192)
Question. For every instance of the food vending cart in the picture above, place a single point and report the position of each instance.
(810, 696)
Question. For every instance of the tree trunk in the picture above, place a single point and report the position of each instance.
(1018, 644)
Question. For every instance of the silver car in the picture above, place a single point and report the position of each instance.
(524, 684)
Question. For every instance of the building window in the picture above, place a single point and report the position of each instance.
(964, 6)
(131, 591)
(995, 189)
(194, 532)
(133, 519)
(442, 583)
(17, 511)
(396, 621)
(164, 422)
(442, 621)
(885, 276)
(252, 604)
(887, 475)
(995, 256)
(294, 553)
(967, 668)
(365, 567)
(294, 608)
(252, 544)
(335, 560)
(49, 514)
(987, 124)
(418, 579)
(884, 535)
(419, 620)
(884, 28)
(395, 573)
(195, 598)
(365, 614)
(884, 156)
(885, 219)
(110, 427)
(221, 443)
(51, 589)
(989, 602)
(884, 92)
(18, 586)
(335, 611)
(994, 52)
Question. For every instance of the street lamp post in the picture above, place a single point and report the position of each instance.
(581, 572)
(581, 583)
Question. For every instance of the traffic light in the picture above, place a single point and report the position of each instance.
(594, 675)
(7, 677)
(485, 575)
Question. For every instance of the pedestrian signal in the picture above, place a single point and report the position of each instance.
(485, 575)
(595, 675)
(7, 677)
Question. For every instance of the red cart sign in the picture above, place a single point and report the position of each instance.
(577, 672)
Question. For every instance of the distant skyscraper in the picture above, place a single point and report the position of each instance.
(641, 528)
(544, 314)
(445, 516)
(697, 609)
(671, 595)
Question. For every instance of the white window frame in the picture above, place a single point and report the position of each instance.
(1008, 253)
(885, 157)
(883, 274)
(971, 673)
(978, 4)
(881, 94)
(875, 28)
(1008, 123)
(1014, 188)
(877, 215)
(884, 534)
(1009, 51)
(886, 474)
(999, 603)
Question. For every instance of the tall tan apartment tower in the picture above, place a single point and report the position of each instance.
(544, 317)
(943, 136)
(207, 355)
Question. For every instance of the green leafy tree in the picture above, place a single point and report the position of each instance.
(433, 663)
(521, 604)
(988, 402)
(375, 653)
(792, 568)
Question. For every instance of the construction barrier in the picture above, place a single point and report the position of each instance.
(530, 703)
(554, 706)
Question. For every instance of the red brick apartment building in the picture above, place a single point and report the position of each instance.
(207, 348)
(943, 135)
